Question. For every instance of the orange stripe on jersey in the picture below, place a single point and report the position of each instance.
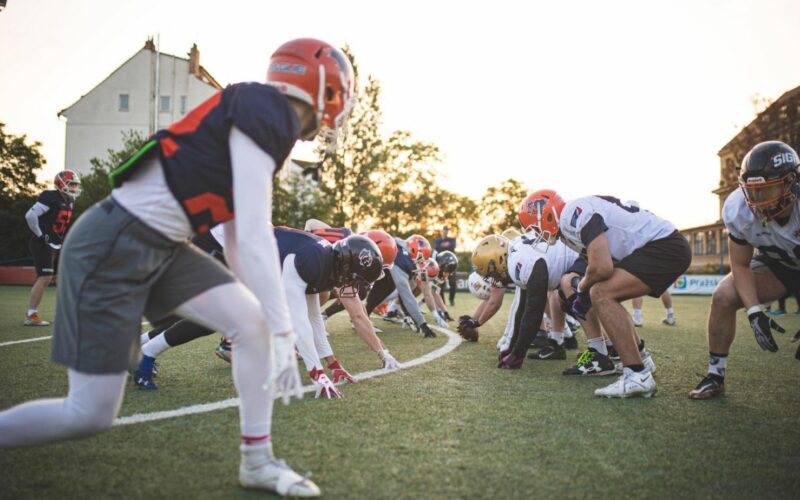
(212, 203)
(193, 119)
(332, 234)
(169, 147)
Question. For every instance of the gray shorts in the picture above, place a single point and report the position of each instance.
(113, 270)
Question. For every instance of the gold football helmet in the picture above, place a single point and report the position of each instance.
(511, 234)
(490, 257)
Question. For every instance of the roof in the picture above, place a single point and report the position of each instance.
(204, 77)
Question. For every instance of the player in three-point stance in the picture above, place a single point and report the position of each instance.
(129, 256)
(48, 220)
(764, 214)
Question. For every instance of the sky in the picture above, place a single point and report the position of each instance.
(626, 98)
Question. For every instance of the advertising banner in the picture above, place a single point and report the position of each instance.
(696, 284)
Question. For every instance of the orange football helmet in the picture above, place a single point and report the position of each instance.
(68, 183)
(419, 247)
(317, 74)
(428, 268)
(386, 245)
(539, 212)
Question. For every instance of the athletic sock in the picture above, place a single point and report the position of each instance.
(717, 364)
(32, 311)
(598, 344)
(669, 311)
(557, 336)
(155, 346)
(637, 315)
(636, 368)
(568, 333)
(143, 338)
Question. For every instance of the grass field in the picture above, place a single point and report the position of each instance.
(455, 427)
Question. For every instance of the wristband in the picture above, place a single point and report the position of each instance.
(753, 310)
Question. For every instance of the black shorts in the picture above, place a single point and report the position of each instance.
(45, 257)
(659, 263)
(578, 267)
(790, 278)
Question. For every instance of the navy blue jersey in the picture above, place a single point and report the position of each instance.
(55, 221)
(195, 151)
(313, 257)
(403, 259)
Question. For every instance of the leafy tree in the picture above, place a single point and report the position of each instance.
(499, 207)
(296, 200)
(19, 189)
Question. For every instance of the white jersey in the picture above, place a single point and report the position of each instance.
(627, 228)
(523, 254)
(781, 243)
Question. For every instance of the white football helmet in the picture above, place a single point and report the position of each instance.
(479, 287)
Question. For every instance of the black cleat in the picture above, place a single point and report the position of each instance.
(592, 363)
(613, 355)
(551, 351)
(711, 385)
(540, 340)
(570, 343)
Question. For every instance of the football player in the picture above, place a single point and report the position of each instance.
(129, 255)
(630, 252)
(48, 220)
(666, 299)
(764, 214)
(402, 278)
(448, 263)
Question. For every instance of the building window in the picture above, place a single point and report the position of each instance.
(124, 101)
(163, 104)
(183, 104)
(711, 238)
(697, 248)
(723, 241)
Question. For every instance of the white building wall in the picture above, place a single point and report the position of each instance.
(95, 123)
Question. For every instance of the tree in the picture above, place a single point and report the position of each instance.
(499, 207)
(95, 185)
(292, 205)
(19, 163)
(19, 189)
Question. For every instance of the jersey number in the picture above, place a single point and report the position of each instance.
(61, 222)
(618, 203)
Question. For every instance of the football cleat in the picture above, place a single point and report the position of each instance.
(223, 350)
(540, 340)
(143, 376)
(637, 322)
(35, 320)
(570, 343)
(613, 355)
(711, 385)
(552, 351)
(510, 362)
(392, 317)
(629, 385)
(669, 320)
(592, 363)
(260, 470)
(648, 362)
(574, 325)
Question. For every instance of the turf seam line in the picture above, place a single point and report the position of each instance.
(453, 341)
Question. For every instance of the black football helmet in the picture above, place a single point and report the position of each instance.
(769, 178)
(357, 263)
(448, 262)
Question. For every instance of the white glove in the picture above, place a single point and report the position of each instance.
(440, 319)
(285, 376)
(326, 387)
(389, 363)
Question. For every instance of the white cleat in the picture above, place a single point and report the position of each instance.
(649, 364)
(630, 384)
(275, 475)
(669, 320)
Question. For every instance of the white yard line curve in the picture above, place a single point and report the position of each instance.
(34, 339)
(453, 341)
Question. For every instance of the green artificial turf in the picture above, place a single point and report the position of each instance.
(456, 427)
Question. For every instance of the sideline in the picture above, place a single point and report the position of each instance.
(453, 341)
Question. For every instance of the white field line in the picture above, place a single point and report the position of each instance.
(453, 341)
(34, 339)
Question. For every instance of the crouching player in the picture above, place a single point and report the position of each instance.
(128, 256)
(765, 215)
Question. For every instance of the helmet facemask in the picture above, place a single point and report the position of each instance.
(768, 198)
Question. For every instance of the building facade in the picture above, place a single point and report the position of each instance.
(147, 92)
(779, 121)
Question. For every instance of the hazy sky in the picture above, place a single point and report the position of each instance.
(629, 98)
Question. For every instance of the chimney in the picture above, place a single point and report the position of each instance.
(149, 45)
(194, 60)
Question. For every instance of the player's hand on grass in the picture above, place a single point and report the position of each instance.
(285, 376)
(326, 388)
(762, 326)
(389, 363)
(426, 330)
(339, 373)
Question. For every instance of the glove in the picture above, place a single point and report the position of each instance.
(285, 376)
(468, 329)
(581, 303)
(511, 362)
(447, 316)
(389, 363)
(440, 319)
(339, 373)
(324, 385)
(427, 331)
(762, 326)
